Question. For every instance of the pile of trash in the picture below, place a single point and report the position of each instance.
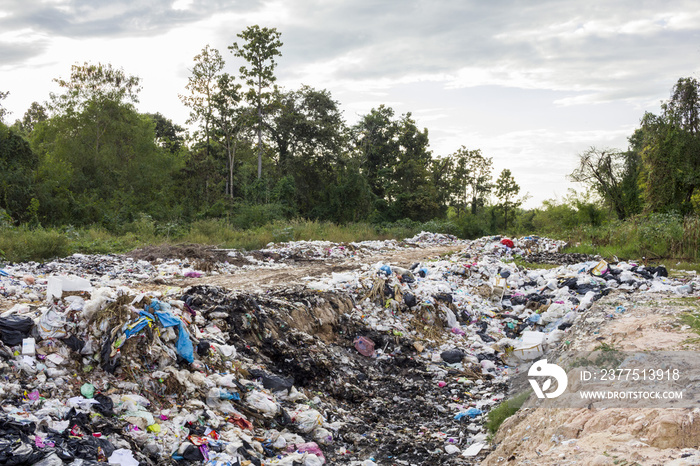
(157, 264)
(388, 364)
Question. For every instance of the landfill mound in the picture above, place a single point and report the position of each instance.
(105, 359)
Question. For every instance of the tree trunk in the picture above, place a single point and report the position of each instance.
(232, 159)
(259, 127)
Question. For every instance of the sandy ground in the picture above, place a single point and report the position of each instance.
(261, 279)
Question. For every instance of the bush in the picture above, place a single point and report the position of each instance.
(22, 244)
(256, 215)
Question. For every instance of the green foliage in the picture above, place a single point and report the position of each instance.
(670, 144)
(471, 179)
(101, 165)
(247, 216)
(22, 244)
(259, 49)
(655, 236)
(17, 165)
(89, 83)
(506, 191)
(3, 110)
(202, 87)
(472, 226)
(613, 175)
(503, 411)
(396, 161)
(693, 320)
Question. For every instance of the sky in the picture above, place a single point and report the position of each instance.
(533, 84)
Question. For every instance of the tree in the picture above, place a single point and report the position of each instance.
(35, 114)
(260, 48)
(604, 170)
(397, 162)
(310, 135)
(376, 139)
(506, 191)
(17, 165)
(411, 191)
(230, 121)
(3, 110)
(99, 161)
(671, 150)
(473, 177)
(169, 136)
(90, 83)
(202, 85)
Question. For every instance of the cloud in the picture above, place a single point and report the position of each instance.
(112, 18)
(601, 52)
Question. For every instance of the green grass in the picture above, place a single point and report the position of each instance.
(21, 244)
(506, 409)
(654, 236)
(520, 262)
(692, 319)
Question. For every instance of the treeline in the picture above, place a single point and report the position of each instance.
(259, 153)
(660, 171)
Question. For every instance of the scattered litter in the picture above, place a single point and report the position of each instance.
(383, 364)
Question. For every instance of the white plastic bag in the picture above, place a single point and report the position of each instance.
(262, 402)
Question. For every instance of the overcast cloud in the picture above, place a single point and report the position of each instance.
(531, 83)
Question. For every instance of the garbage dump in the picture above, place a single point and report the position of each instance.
(388, 363)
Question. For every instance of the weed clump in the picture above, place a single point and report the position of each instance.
(506, 409)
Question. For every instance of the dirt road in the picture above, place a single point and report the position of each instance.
(294, 272)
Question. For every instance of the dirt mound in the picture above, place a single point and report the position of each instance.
(192, 252)
(558, 258)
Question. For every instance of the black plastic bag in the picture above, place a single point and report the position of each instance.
(14, 328)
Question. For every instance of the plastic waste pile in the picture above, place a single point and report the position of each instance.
(388, 364)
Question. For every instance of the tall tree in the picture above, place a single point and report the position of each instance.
(230, 121)
(35, 114)
(396, 161)
(411, 191)
(259, 49)
(309, 133)
(506, 191)
(604, 170)
(473, 172)
(202, 85)
(17, 165)
(376, 139)
(99, 161)
(671, 149)
(94, 83)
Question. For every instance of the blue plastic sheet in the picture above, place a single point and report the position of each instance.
(184, 345)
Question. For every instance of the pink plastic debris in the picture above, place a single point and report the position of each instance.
(310, 447)
(365, 346)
